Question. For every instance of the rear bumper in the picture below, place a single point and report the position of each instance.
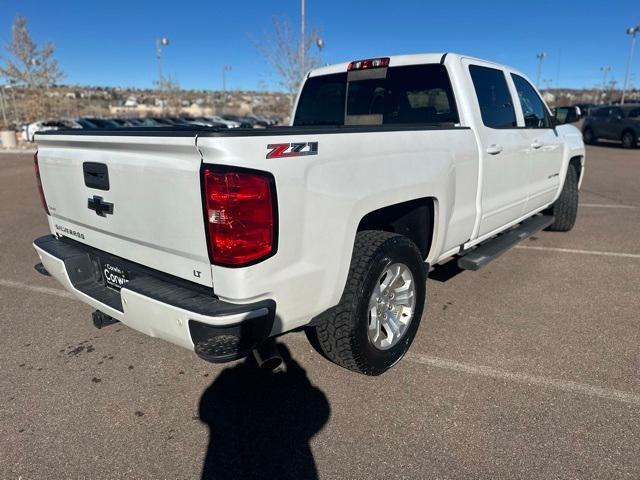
(159, 305)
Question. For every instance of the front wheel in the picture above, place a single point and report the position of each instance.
(565, 208)
(628, 139)
(378, 316)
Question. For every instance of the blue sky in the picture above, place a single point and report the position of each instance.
(112, 42)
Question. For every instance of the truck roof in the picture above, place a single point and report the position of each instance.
(395, 61)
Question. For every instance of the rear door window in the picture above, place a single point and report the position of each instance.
(494, 98)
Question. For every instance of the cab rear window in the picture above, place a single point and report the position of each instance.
(322, 101)
(415, 94)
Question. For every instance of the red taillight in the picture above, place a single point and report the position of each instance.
(36, 168)
(239, 208)
(369, 63)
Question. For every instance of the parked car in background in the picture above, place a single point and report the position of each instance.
(148, 122)
(135, 122)
(86, 124)
(29, 130)
(613, 122)
(243, 121)
(228, 123)
(161, 122)
(103, 122)
(259, 121)
(204, 122)
(126, 122)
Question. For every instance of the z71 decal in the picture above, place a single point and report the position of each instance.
(282, 150)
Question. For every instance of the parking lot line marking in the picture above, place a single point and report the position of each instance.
(606, 205)
(535, 380)
(584, 252)
(49, 291)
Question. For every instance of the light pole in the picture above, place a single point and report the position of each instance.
(612, 89)
(225, 69)
(540, 56)
(302, 39)
(630, 31)
(160, 42)
(303, 46)
(605, 71)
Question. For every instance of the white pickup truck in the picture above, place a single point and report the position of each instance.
(217, 240)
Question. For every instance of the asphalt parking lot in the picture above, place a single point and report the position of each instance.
(528, 368)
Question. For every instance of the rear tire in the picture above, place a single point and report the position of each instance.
(588, 137)
(629, 139)
(343, 335)
(565, 208)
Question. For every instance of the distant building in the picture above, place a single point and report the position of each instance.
(548, 97)
(131, 102)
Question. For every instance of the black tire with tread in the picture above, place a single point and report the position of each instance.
(628, 139)
(340, 333)
(589, 138)
(565, 208)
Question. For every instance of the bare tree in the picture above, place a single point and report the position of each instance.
(169, 94)
(27, 64)
(285, 54)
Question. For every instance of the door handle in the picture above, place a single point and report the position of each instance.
(536, 144)
(494, 149)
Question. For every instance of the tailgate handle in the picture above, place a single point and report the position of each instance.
(96, 175)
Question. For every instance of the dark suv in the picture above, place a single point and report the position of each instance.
(613, 122)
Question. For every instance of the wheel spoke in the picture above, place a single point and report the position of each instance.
(392, 323)
(404, 298)
(396, 276)
(377, 293)
(374, 325)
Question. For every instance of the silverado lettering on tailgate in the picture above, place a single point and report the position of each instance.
(296, 149)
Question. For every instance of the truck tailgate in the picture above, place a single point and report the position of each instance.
(154, 187)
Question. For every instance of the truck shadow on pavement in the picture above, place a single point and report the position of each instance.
(446, 271)
(261, 422)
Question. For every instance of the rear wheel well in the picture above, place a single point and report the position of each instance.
(413, 219)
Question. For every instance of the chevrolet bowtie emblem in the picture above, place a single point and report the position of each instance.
(99, 206)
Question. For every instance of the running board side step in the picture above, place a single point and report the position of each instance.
(478, 257)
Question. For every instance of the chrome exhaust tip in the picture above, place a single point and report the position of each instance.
(267, 355)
